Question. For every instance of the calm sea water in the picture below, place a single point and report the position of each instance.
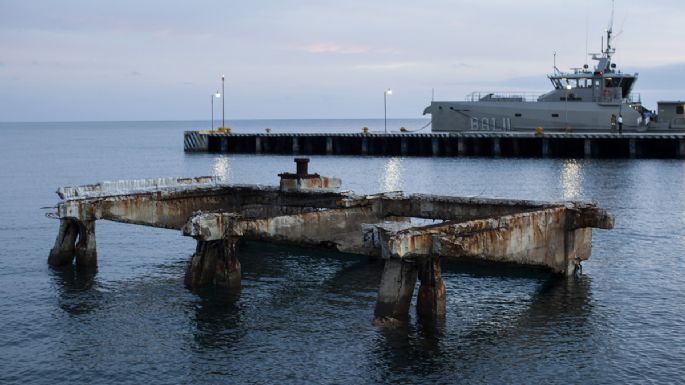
(304, 316)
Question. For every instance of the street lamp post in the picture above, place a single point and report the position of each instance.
(385, 109)
(223, 102)
(568, 87)
(215, 95)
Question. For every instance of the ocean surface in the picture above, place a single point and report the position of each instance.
(305, 316)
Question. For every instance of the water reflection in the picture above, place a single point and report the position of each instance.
(218, 318)
(74, 286)
(222, 168)
(392, 175)
(571, 179)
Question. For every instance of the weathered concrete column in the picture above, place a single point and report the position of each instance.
(496, 148)
(296, 145)
(431, 302)
(632, 148)
(64, 250)
(365, 145)
(395, 292)
(404, 146)
(257, 145)
(85, 251)
(587, 147)
(329, 145)
(435, 146)
(214, 264)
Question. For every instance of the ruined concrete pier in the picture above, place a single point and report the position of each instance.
(308, 210)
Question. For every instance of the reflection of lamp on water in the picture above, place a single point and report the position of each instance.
(571, 179)
(216, 95)
(385, 108)
(392, 175)
(221, 168)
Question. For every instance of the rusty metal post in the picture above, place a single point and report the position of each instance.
(395, 292)
(302, 167)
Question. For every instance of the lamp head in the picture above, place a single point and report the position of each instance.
(389, 91)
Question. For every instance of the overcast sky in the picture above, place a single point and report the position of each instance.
(74, 60)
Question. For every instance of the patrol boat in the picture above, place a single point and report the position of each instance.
(583, 100)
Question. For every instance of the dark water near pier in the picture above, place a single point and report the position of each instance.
(304, 316)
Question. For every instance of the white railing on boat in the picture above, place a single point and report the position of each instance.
(482, 96)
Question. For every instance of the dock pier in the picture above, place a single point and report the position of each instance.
(483, 144)
(309, 210)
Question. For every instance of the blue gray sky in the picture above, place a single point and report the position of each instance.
(75, 60)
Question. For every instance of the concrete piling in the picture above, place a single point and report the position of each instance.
(64, 250)
(214, 264)
(396, 290)
(431, 301)
(85, 251)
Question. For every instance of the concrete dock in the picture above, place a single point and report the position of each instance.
(309, 210)
(487, 144)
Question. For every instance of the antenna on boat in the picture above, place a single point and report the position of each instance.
(609, 51)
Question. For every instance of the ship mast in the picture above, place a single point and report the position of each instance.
(610, 51)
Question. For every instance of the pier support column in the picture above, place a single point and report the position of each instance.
(257, 145)
(461, 147)
(496, 148)
(85, 251)
(365, 146)
(223, 144)
(395, 292)
(632, 148)
(431, 298)
(64, 250)
(435, 146)
(545, 148)
(404, 146)
(329, 145)
(516, 147)
(587, 147)
(214, 263)
(681, 148)
(296, 145)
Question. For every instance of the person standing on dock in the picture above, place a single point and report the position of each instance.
(620, 123)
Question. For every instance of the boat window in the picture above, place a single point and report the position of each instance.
(519, 115)
(680, 110)
(555, 115)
